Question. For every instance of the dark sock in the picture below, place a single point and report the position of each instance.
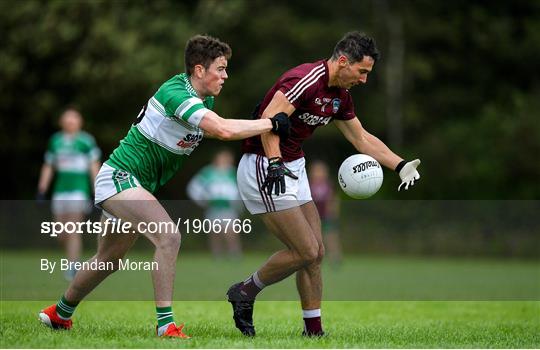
(312, 322)
(313, 325)
(251, 286)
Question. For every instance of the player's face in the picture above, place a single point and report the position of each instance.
(355, 73)
(71, 121)
(224, 160)
(214, 77)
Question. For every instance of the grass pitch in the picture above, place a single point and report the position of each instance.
(353, 317)
(348, 325)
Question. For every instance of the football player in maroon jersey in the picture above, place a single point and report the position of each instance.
(272, 177)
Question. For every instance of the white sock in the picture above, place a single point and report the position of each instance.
(257, 281)
(311, 313)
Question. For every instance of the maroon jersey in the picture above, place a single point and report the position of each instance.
(306, 88)
(323, 196)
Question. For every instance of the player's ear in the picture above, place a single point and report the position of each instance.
(198, 71)
(343, 61)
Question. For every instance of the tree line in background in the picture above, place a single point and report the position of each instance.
(457, 85)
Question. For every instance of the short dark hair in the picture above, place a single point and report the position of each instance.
(355, 46)
(204, 49)
(71, 107)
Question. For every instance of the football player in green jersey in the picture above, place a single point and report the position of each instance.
(72, 159)
(168, 128)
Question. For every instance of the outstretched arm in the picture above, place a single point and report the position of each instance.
(237, 129)
(232, 129)
(366, 143)
(369, 144)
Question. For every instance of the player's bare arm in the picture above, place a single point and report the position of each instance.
(233, 129)
(369, 144)
(279, 104)
(45, 179)
(94, 170)
(279, 107)
(366, 143)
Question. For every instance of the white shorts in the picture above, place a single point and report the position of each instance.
(251, 175)
(111, 181)
(70, 203)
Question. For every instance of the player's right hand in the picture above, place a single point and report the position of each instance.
(281, 125)
(275, 179)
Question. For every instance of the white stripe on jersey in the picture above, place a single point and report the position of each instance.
(168, 131)
(308, 80)
(196, 117)
(157, 105)
(307, 86)
(308, 76)
(186, 105)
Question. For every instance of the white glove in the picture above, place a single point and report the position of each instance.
(408, 173)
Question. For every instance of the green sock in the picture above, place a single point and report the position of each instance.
(65, 309)
(164, 315)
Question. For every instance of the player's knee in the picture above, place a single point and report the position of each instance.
(320, 254)
(309, 255)
(169, 241)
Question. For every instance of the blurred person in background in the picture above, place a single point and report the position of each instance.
(214, 188)
(167, 130)
(327, 203)
(72, 160)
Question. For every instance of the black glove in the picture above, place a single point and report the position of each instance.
(281, 125)
(275, 179)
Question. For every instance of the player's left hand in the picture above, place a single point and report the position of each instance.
(275, 179)
(408, 173)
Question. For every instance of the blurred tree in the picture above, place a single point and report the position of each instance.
(455, 86)
(105, 57)
(472, 97)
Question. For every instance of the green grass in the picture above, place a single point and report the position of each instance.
(348, 324)
(366, 305)
(359, 278)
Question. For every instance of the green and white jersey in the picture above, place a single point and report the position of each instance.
(165, 133)
(214, 188)
(71, 157)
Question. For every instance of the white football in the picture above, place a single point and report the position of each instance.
(360, 176)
